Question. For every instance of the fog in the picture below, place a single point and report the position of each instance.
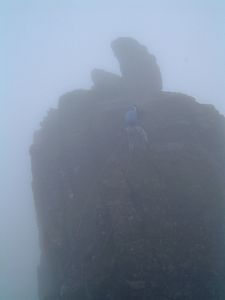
(49, 48)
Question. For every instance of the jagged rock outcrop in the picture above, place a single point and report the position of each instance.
(119, 225)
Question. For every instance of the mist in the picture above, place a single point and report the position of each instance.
(49, 48)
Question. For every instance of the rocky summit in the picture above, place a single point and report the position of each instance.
(146, 223)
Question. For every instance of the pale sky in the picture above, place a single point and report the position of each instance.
(49, 47)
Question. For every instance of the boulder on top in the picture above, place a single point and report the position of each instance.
(138, 67)
(105, 80)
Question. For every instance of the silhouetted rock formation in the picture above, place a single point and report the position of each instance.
(106, 83)
(139, 69)
(136, 226)
(104, 80)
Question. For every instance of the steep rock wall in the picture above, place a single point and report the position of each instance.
(115, 224)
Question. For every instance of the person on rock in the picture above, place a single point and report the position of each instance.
(135, 132)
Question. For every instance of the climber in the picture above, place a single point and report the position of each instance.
(134, 129)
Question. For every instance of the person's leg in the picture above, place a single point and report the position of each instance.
(130, 138)
(143, 134)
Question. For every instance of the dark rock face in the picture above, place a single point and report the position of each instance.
(119, 225)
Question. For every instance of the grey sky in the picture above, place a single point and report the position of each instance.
(50, 47)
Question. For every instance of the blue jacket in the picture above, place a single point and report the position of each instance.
(131, 118)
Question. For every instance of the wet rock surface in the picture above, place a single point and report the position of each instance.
(146, 224)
